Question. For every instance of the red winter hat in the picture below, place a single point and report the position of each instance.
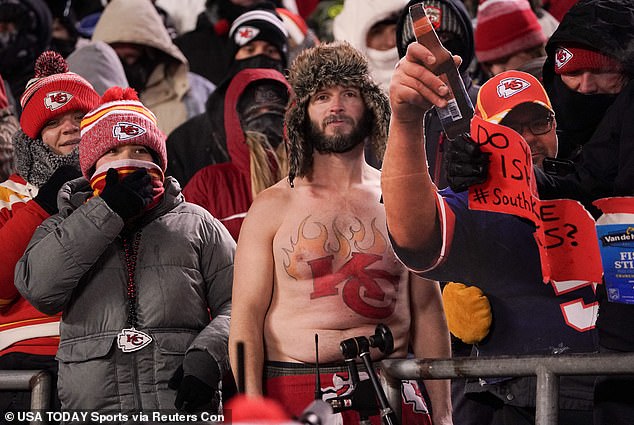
(572, 59)
(53, 91)
(505, 91)
(120, 119)
(506, 27)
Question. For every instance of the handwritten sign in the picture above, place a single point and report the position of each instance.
(567, 239)
(510, 188)
(565, 231)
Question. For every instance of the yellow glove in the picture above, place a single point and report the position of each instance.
(468, 312)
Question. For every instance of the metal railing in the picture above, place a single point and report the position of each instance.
(546, 368)
(36, 381)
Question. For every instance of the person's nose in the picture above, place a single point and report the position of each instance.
(336, 105)
(587, 83)
(70, 125)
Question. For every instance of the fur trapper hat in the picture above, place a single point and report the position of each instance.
(330, 64)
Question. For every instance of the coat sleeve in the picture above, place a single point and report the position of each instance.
(60, 253)
(217, 268)
(15, 235)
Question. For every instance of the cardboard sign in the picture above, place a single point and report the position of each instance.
(565, 231)
(510, 188)
(567, 240)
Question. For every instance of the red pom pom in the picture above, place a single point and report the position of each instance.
(119, 93)
(248, 409)
(50, 63)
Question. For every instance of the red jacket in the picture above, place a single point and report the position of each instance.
(225, 189)
(22, 328)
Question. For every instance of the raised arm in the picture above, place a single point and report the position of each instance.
(252, 291)
(430, 339)
(408, 191)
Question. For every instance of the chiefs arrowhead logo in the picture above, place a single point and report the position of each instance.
(562, 57)
(127, 130)
(129, 340)
(244, 34)
(56, 99)
(435, 16)
(511, 86)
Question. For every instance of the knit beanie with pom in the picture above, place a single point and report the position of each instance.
(119, 119)
(52, 92)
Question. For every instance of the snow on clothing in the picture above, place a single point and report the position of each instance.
(354, 22)
(172, 93)
(225, 189)
(498, 254)
(23, 329)
(183, 274)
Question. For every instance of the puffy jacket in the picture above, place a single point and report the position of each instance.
(75, 263)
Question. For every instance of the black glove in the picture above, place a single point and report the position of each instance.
(47, 194)
(129, 196)
(197, 392)
(466, 163)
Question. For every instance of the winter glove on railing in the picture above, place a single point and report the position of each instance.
(128, 196)
(466, 163)
(468, 312)
(47, 194)
(196, 382)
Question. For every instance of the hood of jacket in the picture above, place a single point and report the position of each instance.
(98, 63)
(236, 141)
(135, 21)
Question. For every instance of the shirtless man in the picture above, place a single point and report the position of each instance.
(313, 255)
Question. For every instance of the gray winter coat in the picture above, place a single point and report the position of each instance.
(75, 263)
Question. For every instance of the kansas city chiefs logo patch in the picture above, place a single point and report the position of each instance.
(129, 340)
(245, 34)
(435, 16)
(127, 130)
(56, 99)
(562, 57)
(511, 86)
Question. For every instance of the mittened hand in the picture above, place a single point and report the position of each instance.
(196, 382)
(468, 312)
(129, 196)
(47, 193)
(466, 164)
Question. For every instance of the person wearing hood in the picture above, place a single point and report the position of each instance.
(254, 121)
(25, 33)
(259, 40)
(98, 63)
(153, 64)
(452, 23)
(370, 26)
(143, 278)
(46, 154)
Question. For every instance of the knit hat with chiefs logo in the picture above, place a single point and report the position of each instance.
(503, 92)
(53, 91)
(575, 58)
(260, 24)
(120, 119)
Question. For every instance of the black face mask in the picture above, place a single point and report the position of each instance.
(139, 72)
(261, 108)
(578, 115)
(63, 46)
(259, 61)
(17, 54)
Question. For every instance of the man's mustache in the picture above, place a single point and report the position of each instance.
(337, 118)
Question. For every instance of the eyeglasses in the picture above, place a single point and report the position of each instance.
(537, 127)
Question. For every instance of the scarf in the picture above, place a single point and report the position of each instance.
(126, 167)
(36, 161)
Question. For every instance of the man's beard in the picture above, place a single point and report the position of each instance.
(338, 143)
